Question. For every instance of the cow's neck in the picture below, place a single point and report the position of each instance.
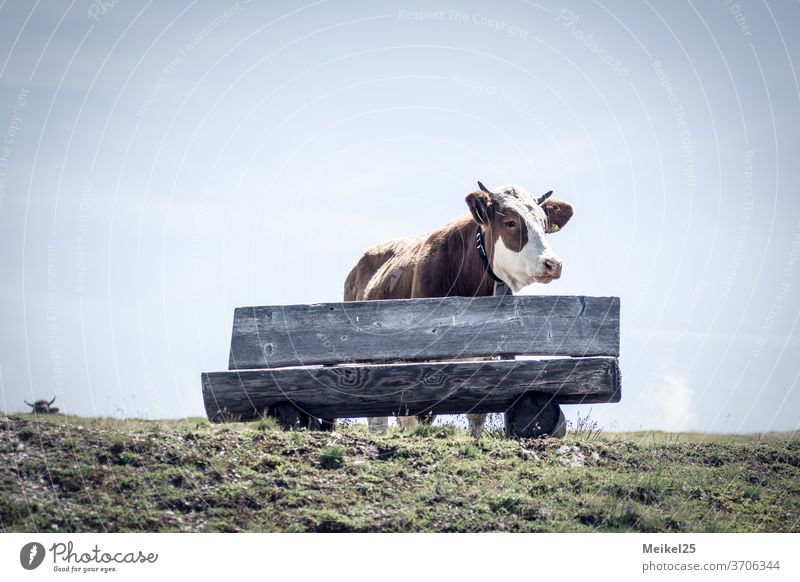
(467, 274)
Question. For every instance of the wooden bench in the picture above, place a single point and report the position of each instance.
(306, 364)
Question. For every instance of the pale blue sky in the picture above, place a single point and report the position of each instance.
(161, 164)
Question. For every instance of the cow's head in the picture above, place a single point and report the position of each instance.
(514, 224)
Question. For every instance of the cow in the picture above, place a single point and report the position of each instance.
(43, 406)
(502, 240)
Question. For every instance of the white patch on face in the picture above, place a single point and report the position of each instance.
(520, 269)
(510, 266)
(523, 268)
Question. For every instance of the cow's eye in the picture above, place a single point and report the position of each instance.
(510, 223)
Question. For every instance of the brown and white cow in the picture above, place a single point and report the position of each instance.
(512, 224)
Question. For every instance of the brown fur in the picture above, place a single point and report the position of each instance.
(446, 262)
(439, 264)
(558, 214)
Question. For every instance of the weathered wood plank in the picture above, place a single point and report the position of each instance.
(424, 329)
(385, 389)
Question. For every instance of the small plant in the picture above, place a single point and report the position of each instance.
(507, 502)
(494, 428)
(434, 430)
(424, 430)
(470, 451)
(668, 438)
(226, 416)
(127, 458)
(266, 424)
(327, 520)
(585, 428)
(332, 457)
(495, 433)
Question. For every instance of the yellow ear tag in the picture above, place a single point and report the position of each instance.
(553, 228)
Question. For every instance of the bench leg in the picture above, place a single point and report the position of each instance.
(379, 424)
(476, 423)
(405, 422)
(534, 415)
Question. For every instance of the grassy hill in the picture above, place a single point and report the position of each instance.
(61, 473)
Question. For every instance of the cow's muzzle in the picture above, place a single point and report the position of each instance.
(549, 269)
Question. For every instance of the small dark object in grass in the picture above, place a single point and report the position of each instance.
(43, 406)
(26, 434)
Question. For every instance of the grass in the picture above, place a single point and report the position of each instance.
(70, 474)
(332, 457)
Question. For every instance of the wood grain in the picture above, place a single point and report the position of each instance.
(423, 329)
(386, 389)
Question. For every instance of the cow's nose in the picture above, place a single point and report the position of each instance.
(552, 267)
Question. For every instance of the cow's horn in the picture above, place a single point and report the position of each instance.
(53, 400)
(544, 197)
(484, 188)
(28, 403)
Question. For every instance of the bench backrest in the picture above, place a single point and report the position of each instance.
(423, 329)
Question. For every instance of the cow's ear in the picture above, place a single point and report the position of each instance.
(481, 206)
(558, 214)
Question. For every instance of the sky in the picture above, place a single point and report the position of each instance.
(164, 163)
